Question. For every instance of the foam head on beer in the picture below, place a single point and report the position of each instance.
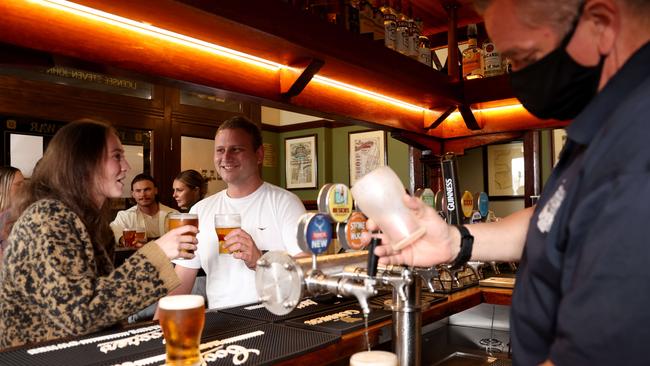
(373, 358)
(181, 319)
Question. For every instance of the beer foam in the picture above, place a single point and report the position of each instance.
(373, 358)
(181, 302)
(183, 216)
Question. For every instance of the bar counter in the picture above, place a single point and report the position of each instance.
(339, 352)
(140, 344)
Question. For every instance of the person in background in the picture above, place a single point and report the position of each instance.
(269, 219)
(147, 212)
(578, 298)
(11, 181)
(58, 278)
(189, 188)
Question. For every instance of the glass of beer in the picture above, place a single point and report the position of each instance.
(128, 237)
(224, 224)
(181, 319)
(141, 235)
(175, 220)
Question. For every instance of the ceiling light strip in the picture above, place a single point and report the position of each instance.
(148, 29)
(367, 93)
(151, 30)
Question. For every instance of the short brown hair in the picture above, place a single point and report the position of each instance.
(243, 123)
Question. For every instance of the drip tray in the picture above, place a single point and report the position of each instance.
(468, 359)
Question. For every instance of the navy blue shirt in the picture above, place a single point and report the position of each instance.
(583, 289)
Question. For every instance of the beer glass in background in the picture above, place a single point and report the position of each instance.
(224, 224)
(140, 235)
(181, 319)
(175, 220)
(128, 237)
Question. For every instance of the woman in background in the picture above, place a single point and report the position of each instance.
(11, 180)
(189, 188)
(58, 278)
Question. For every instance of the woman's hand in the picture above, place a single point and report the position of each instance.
(179, 242)
(434, 247)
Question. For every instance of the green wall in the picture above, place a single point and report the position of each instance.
(333, 158)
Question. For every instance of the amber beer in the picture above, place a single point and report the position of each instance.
(129, 237)
(224, 224)
(140, 235)
(175, 220)
(181, 319)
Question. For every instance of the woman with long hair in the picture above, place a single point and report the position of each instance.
(58, 278)
(11, 180)
(189, 188)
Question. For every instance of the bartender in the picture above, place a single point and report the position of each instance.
(583, 246)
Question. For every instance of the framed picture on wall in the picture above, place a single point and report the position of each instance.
(505, 170)
(557, 143)
(301, 162)
(367, 150)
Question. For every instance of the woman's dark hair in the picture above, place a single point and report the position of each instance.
(68, 172)
(193, 180)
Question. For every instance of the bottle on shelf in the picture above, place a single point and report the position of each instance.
(491, 60)
(424, 52)
(366, 17)
(403, 36)
(472, 55)
(390, 26)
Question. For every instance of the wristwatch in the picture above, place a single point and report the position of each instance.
(466, 244)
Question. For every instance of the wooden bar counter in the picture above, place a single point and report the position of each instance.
(338, 353)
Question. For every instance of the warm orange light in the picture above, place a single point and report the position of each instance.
(366, 93)
(151, 30)
(491, 110)
(164, 34)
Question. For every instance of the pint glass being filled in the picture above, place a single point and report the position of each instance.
(175, 220)
(181, 319)
(224, 224)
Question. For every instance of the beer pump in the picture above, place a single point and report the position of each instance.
(282, 281)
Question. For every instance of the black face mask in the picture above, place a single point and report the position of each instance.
(556, 86)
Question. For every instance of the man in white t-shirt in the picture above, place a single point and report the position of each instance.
(269, 219)
(147, 213)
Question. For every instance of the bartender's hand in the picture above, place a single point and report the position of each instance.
(179, 243)
(241, 245)
(434, 247)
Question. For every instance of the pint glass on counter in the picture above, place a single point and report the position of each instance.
(181, 319)
(175, 220)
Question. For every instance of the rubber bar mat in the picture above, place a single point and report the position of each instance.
(340, 320)
(306, 307)
(266, 344)
(106, 347)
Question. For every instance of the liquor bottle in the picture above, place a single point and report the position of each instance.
(472, 56)
(366, 22)
(491, 60)
(424, 52)
(390, 26)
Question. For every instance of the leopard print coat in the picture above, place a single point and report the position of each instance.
(50, 286)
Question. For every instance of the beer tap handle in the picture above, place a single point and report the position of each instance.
(428, 276)
(372, 258)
